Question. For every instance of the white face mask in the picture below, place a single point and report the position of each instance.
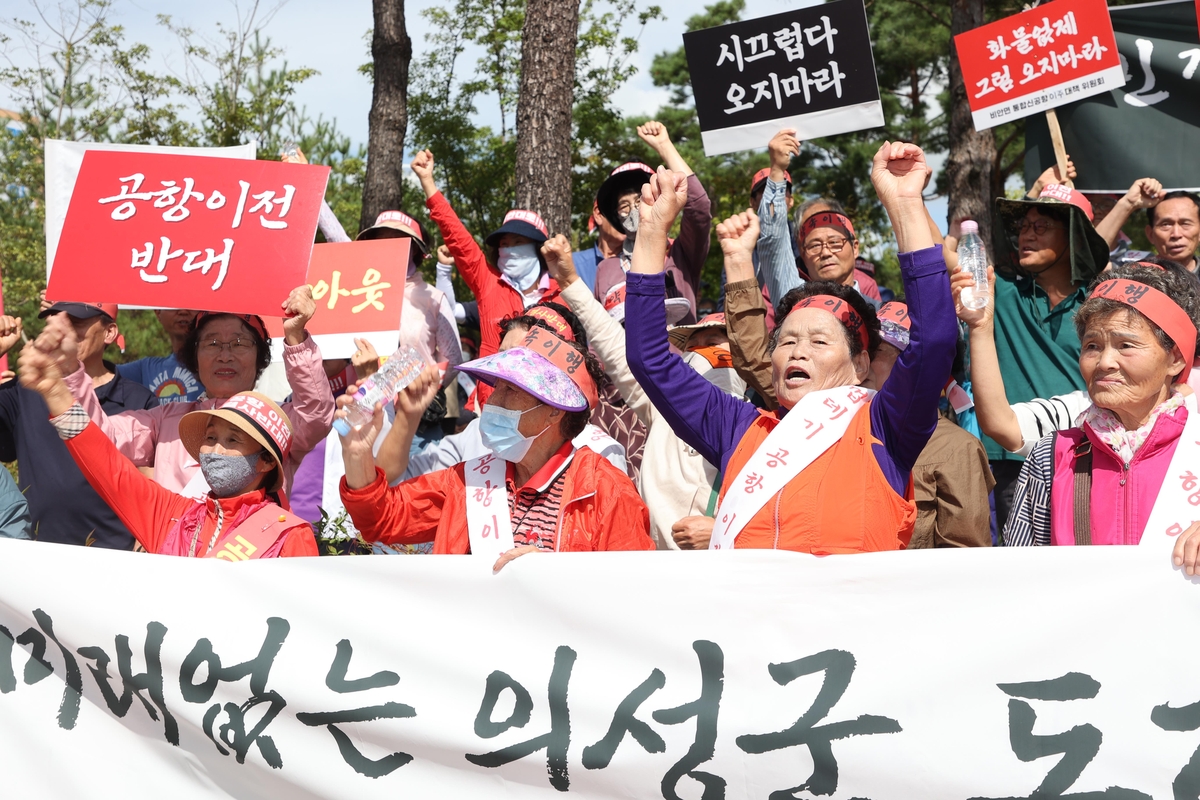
(498, 428)
(520, 265)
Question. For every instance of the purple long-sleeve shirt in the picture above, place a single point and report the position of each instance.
(903, 413)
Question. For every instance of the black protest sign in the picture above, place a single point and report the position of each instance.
(1149, 127)
(811, 69)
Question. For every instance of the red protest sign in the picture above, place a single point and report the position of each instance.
(170, 231)
(1042, 58)
(359, 289)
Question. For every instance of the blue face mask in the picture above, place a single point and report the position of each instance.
(520, 265)
(498, 426)
(229, 475)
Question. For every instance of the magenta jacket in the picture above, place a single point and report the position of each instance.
(1122, 498)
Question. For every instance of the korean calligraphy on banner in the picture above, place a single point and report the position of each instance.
(1037, 60)
(168, 231)
(848, 676)
(359, 289)
(811, 69)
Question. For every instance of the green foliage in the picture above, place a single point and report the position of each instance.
(474, 164)
(236, 87)
(336, 536)
(86, 83)
(601, 137)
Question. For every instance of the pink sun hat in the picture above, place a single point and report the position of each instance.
(543, 365)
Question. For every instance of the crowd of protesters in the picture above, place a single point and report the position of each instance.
(607, 405)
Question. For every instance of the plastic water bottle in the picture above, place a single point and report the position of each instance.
(973, 258)
(397, 372)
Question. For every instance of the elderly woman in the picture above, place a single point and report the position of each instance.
(530, 490)
(1020, 426)
(227, 352)
(829, 471)
(240, 446)
(1138, 333)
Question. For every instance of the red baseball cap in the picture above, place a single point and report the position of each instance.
(761, 176)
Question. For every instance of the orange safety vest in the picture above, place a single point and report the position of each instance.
(840, 503)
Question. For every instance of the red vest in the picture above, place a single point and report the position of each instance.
(840, 503)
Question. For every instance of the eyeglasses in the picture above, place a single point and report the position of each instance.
(239, 347)
(1039, 226)
(835, 246)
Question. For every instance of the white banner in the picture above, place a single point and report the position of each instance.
(742, 674)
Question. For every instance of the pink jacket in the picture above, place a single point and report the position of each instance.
(150, 438)
(1122, 498)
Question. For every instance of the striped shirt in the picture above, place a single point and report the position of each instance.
(534, 507)
(1029, 517)
(1043, 416)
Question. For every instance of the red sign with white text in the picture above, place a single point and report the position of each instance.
(170, 231)
(359, 289)
(1042, 58)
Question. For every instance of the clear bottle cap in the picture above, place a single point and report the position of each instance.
(970, 226)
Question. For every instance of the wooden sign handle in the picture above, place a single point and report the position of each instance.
(1060, 150)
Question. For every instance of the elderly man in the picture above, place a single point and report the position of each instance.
(1173, 220)
(64, 508)
(534, 492)
(1047, 252)
(1174, 228)
(617, 200)
(828, 245)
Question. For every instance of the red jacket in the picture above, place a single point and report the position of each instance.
(149, 510)
(600, 510)
(496, 298)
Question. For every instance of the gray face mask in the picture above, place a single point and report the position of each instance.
(228, 475)
(630, 223)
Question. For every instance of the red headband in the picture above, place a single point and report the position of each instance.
(826, 219)
(840, 309)
(253, 321)
(564, 356)
(897, 312)
(1159, 309)
(554, 319)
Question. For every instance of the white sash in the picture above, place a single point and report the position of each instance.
(596, 440)
(810, 428)
(1178, 503)
(489, 526)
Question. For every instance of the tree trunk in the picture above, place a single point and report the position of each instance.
(972, 153)
(391, 50)
(544, 104)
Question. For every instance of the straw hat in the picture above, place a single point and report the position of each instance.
(254, 413)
